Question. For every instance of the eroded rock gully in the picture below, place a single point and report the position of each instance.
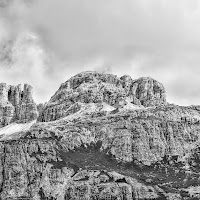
(102, 137)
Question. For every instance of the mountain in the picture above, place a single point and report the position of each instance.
(16, 104)
(98, 88)
(99, 137)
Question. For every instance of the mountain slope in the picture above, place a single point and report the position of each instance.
(93, 87)
(104, 137)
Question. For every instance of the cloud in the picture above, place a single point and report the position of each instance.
(157, 38)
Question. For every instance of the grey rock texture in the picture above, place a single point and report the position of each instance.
(93, 87)
(33, 168)
(103, 137)
(16, 104)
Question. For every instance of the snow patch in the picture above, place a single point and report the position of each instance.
(7, 132)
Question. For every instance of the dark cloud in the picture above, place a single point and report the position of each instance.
(54, 40)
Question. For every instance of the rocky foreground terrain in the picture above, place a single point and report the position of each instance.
(100, 137)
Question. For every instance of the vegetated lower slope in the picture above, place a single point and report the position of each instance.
(104, 137)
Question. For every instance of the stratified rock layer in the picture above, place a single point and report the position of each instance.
(16, 105)
(148, 153)
(103, 138)
(93, 87)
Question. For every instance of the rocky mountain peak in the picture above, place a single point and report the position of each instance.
(99, 137)
(16, 104)
(94, 87)
(89, 77)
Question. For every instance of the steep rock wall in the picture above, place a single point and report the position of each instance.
(34, 169)
(93, 87)
(100, 137)
(149, 153)
(16, 104)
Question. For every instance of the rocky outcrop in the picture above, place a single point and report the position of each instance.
(148, 91)
(148, 153)
(93, 87)
(33, 168)
(16, 105)
(101, 137)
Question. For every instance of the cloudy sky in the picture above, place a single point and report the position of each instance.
(45, 42)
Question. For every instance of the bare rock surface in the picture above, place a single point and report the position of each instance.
(16, 104)
(102, 137)
(93, 87)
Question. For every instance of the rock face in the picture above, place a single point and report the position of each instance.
(16, 105)
(93, 87)
(102, 137)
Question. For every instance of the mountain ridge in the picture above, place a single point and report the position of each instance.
(93, 87)
(102, 137)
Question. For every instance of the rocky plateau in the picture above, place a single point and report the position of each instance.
(99, 137)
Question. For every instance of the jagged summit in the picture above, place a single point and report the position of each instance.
(94, 87)
(16, 104)
(104, 92)
(99, 137)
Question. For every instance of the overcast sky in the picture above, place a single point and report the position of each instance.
(45, 42)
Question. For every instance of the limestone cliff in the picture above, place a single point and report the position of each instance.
(16, 104)
(103, 137)
(93, 87)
